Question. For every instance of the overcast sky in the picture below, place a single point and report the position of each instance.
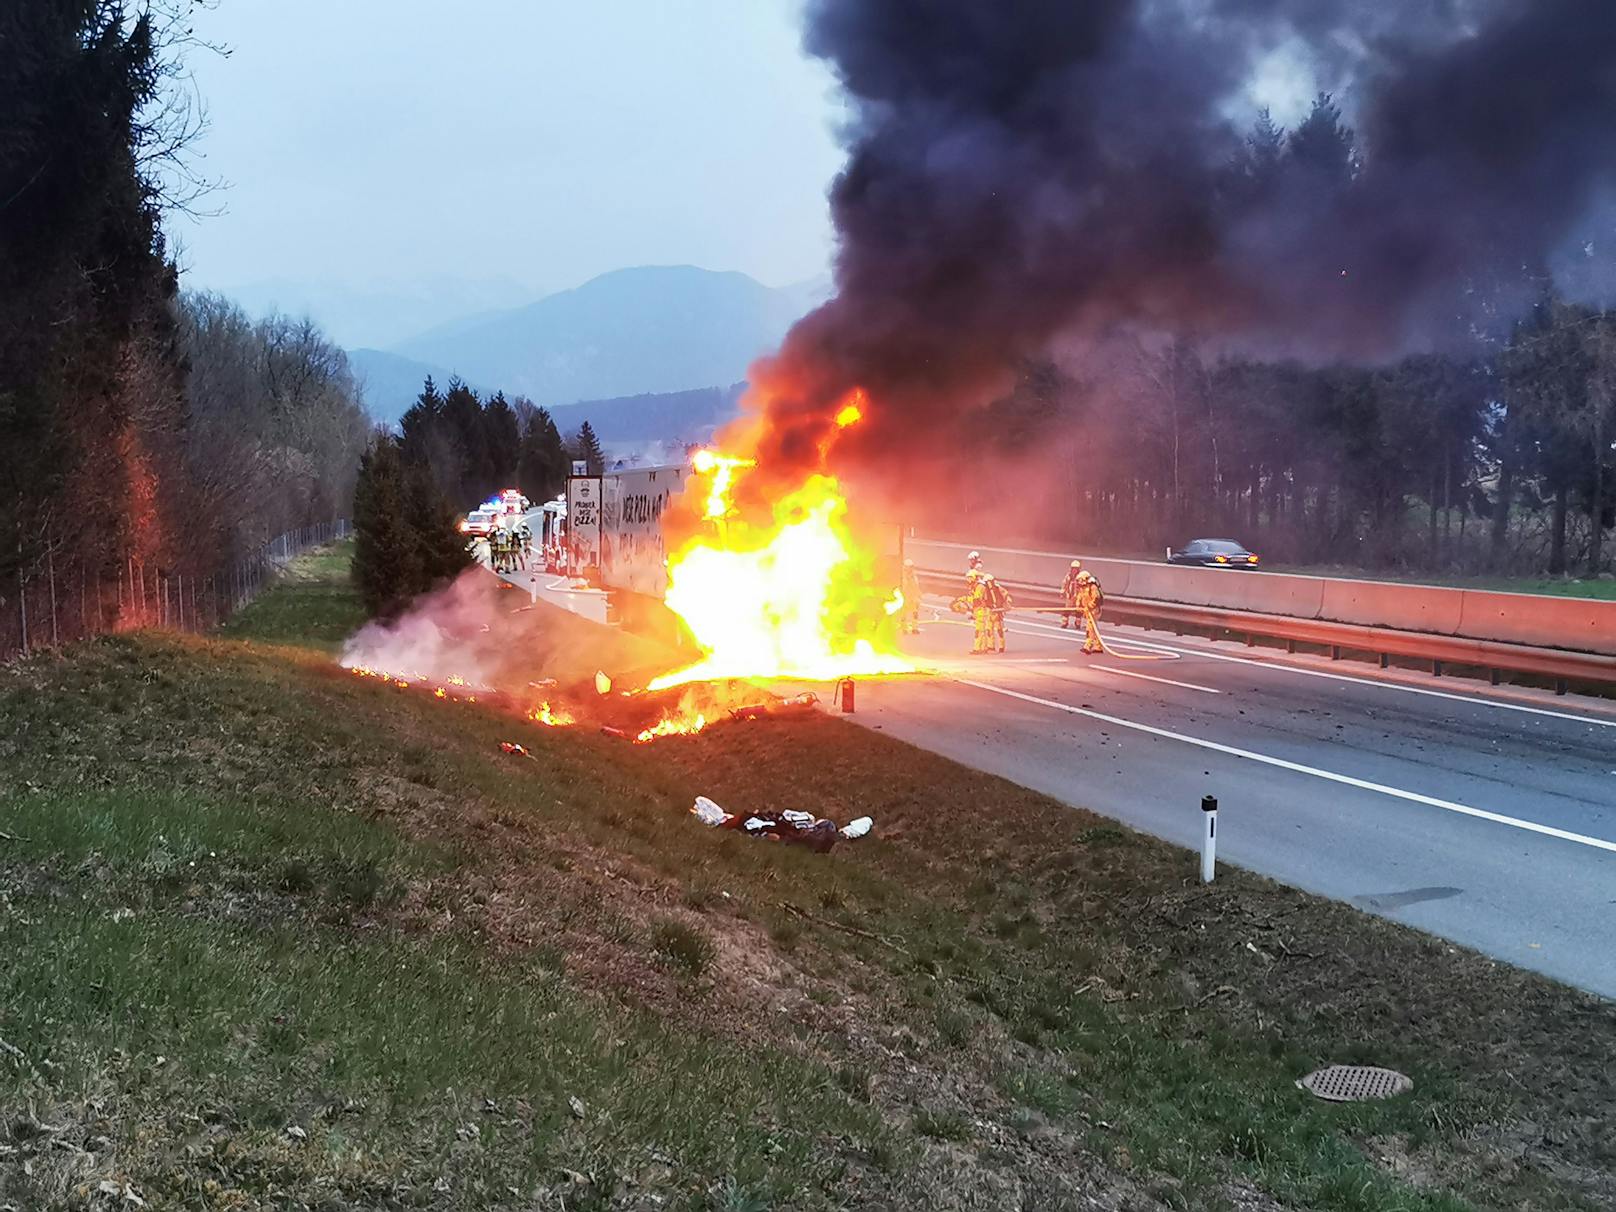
(372, 141)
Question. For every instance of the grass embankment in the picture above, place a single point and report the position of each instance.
(276, 936)
(1601, 588)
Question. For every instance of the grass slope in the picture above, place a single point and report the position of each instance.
(276, 936)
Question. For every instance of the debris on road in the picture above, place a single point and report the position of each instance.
(515, 750)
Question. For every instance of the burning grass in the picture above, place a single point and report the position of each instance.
(247, 892)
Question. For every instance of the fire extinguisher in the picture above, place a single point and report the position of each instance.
(844, 689)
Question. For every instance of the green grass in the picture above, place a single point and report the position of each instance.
(310, 605)
(1563, 587)
(329, 904)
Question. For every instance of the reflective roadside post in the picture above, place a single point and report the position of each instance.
(1209, 839)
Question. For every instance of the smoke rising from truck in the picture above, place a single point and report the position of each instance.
(1028, 172)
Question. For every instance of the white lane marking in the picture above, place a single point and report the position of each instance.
(1149, 677)
(1296, 767)
(1280, 667)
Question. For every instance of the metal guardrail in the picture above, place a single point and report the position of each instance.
(1444, 653)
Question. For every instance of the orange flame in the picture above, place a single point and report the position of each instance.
(554, 718)
(672, 725)
(790, 595)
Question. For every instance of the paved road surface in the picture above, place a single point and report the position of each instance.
(1485, 816)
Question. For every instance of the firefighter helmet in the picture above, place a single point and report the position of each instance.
(1077, 563)
(975, 555)
(908, 563)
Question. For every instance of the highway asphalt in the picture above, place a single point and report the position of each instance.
(1486, 816)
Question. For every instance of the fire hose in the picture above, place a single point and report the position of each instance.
(1093, 620)
(1088, 615)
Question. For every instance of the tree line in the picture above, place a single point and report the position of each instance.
(138, 426)
(1497, 453)
(476, 447)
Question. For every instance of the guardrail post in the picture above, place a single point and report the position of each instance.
(1335, 652)
(1494, 677)
(1436, 669)
(1559, 686)
(1385, 661)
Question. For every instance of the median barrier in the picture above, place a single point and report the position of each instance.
(1580, 624)
(1539, 620)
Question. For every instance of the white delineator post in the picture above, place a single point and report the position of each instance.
(1209, 839)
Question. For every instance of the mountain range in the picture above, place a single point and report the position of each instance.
(633, 341)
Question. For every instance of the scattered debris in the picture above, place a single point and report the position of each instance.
(798, 705)
(603, 684)
(296, 1133)
(798, 828)
(515, 750)
(577, 1106)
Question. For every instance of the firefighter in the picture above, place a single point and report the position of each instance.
(1090, 597)
(909, 621)
(1068, 592)
(524, 544)
(981, 614)
(998, 601)
(973, 563)
(502, 550)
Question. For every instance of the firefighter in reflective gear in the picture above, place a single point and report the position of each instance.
(502, 550)
(1068, 592)
(1089, 599)
(909, 620)
(998, 599)
(524, 544)
(981, 615)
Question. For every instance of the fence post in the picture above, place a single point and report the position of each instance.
(22, 600)
(50, 576)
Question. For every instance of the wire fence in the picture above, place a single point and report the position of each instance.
(50, 603)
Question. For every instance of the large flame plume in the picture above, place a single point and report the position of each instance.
(775, 582)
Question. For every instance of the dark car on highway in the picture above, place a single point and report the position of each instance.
(1213, 553)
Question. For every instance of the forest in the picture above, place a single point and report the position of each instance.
(147, 435)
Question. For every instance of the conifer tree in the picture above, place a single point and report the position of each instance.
(387, 561)
(586, 446)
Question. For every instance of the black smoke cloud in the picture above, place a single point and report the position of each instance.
(1021, 171)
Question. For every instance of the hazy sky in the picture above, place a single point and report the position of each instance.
(367, 141)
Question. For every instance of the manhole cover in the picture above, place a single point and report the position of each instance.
(1355, 1083)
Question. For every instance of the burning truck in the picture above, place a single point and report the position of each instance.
(755, 586)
